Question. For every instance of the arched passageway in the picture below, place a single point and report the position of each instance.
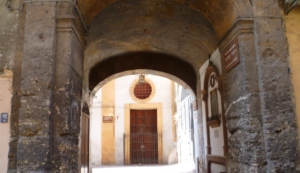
(65, 50)
(150, 62)
(116, 99)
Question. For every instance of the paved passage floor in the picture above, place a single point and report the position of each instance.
(177, 168)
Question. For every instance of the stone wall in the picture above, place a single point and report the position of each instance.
(8, 35)
(259, 111)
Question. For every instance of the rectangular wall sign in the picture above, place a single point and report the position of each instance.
(4, 117)
(231, 55)
(107, 119)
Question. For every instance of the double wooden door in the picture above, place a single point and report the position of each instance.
(143, 137)
(85, 133)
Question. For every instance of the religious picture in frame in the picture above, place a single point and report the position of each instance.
(214, 102)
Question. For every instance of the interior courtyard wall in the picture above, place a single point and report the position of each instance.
(108, 130)
(122, 94)
(95, 129)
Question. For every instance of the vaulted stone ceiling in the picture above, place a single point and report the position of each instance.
(221, 13)
(188, 30)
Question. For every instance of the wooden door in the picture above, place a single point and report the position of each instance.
(85, 126)
(143, 137)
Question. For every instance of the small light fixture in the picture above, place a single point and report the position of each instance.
(142, 79)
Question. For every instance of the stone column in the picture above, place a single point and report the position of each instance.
(67, 91)
(50, 113)
(242, 103)
(33, 150)
(257, 97)
(200, 131)
(279, 120)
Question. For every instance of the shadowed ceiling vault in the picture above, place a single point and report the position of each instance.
(221, 13)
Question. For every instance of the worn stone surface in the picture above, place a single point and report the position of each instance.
(67, 99)
(259, 111)
(222, 14)
(37, 88)
(200, 129)
(16, 95)
(150, 28)
(242, 110)
(8, 35)
(279, 124)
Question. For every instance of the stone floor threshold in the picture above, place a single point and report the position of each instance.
(176, 168)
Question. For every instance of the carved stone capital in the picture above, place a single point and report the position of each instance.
(71, 24)
(242, 25)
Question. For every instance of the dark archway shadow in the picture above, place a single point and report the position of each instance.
(143, 60)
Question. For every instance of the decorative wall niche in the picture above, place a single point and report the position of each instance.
(212, 96)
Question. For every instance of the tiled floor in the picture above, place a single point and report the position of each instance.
(177, 168)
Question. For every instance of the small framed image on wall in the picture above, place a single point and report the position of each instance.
(4, 117)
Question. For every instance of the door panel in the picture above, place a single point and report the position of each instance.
(143, 137)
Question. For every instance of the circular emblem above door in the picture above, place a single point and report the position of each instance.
(142, 90)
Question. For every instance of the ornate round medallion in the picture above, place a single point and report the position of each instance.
(142, 92)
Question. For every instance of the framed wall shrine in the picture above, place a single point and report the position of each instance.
(212, 96)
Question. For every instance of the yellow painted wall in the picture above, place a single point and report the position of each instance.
(108, 129)
(293, 35)
(5, 105)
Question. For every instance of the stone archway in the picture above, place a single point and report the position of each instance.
(152, 72)
(50, 78)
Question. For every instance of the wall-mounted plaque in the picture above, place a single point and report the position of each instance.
(4, 117)
(231, 55)
(107, 119)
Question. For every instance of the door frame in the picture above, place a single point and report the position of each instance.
(87, 116)
(143, 106)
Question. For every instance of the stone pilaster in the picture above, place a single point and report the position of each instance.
(67, 92)
(242, 103)
(33, 150)
(279, 123)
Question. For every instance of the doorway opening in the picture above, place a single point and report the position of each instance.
(143, 137)
(132, 128)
